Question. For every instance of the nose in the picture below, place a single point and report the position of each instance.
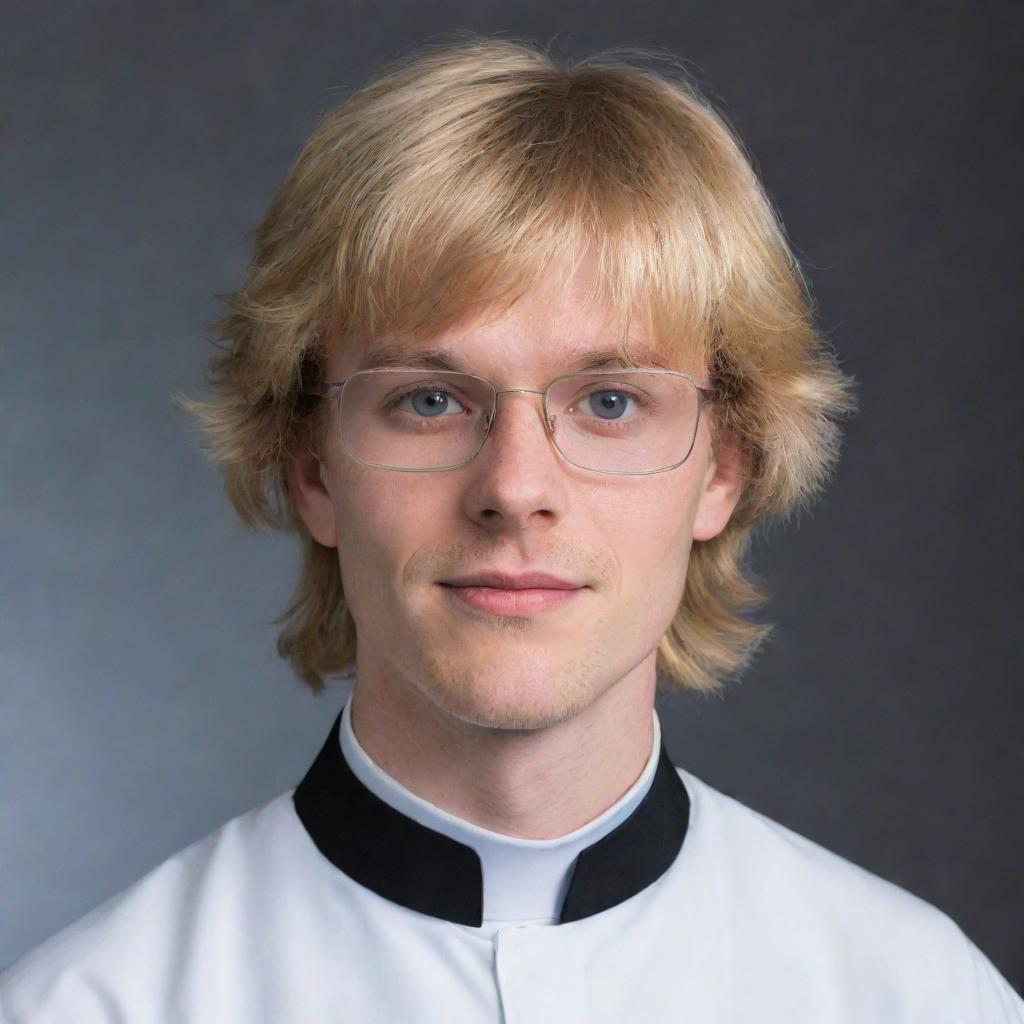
(517, 481)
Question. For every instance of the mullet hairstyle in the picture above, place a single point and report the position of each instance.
(456, 179)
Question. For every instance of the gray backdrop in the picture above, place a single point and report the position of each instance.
(142, 701)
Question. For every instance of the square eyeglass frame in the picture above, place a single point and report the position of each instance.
(703, 388)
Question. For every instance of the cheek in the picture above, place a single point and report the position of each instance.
(650, 533)
(382, 519)
(651, 521)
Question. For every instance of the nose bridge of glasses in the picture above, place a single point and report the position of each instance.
(509, 391)
(512, 391)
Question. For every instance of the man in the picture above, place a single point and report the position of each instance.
(522, 358)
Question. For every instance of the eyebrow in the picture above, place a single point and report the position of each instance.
(442, 359)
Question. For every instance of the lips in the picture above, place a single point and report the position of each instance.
(513, 581)
(516, 602)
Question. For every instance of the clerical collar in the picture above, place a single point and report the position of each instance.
(416, 854)
(524, 879)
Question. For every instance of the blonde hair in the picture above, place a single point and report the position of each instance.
(459, 177)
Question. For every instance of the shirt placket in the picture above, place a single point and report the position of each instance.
(540, 976)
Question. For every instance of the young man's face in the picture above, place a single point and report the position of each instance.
(517, 506)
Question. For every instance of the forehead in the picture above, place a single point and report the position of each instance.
(562, 323)
(509, 343)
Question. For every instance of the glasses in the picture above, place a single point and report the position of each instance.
(622, 421)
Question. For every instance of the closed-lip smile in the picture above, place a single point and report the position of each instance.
(510, 594)
(512, 581)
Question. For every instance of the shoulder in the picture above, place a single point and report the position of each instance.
(841, 921)
(780, 865)
(125, 955)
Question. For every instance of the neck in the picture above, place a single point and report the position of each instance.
(526, 783)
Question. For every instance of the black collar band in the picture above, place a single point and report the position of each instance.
(410, 864)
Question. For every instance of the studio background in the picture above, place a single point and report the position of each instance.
(142, 702)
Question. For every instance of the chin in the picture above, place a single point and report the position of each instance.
(528, 694)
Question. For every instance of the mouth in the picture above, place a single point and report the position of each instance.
(522, 602)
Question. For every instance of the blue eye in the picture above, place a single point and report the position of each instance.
(610, 405)
(434, 404)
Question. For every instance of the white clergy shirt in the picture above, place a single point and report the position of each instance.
(351, 899)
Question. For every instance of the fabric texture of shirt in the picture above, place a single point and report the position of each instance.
(750, 923)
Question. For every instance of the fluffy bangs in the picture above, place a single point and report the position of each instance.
(469, 197)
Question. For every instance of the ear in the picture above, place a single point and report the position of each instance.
(310, 495)
(722, 486)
